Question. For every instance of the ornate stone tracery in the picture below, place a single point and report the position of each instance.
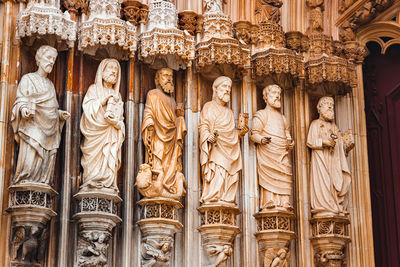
(104, 27)
(163, 38)
(39, 19)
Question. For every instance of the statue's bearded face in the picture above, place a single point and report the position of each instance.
(224, 91)
(326, 110)
(274, 97)
(47, 60)
(166, 80)
(110, 73)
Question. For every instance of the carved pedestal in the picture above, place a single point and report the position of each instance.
(218, 231)
(329, 239)
(158, 225)
(30, 207)
(274, 233)
(97, 216)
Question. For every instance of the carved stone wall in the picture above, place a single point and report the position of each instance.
(310, 49)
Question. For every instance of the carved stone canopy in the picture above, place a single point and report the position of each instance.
(41, 18)
(218, 46)
(104, 27)
(162, 38)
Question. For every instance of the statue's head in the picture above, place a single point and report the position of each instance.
(325, 108)
(272, 95)
(165, 80)
(46, 57)
(282, 253)
(111, 72)
(222, 89)
(166, 246)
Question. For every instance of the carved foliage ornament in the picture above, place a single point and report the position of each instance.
(43, 19)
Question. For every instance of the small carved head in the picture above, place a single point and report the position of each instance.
(325, 108)
(222, 89)
(272, 95)
(282, 253)
(165, 80)
(110, 73)
(46, 57)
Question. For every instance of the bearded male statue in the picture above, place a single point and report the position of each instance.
(330, 175)
(103, 128)
(220, 155)
(270, 132)
(37, 122)
(163, 132)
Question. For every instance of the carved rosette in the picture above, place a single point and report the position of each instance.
(105, 27)
(218, 231)
(330, 236)
(30, 207)
(45, 19)
(162, 36)
(274, 233)
(159, 223)
(217, 45)
(97, 215)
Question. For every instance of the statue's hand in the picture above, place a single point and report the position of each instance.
(243, 130)
(265, 140)
(105, 99)
(27, 113)
(112, 121)
(212, 138)
(64, 115)
(329, 142)
(290, 144)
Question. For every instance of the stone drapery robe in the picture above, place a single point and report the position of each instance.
(273, 164)
(101, 149)
(164, 144)
(38, 137)
(221, 161)
(330, 175)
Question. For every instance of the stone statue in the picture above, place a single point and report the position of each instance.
(270, 132)
(156, 253)
(92, 249)
(28, 243)
(163, 132)
(221, 254)
(220, 155)
(330, 175)
(103, 128)
(273, 258)
(37, 122)
(213, 6)
(268, 11)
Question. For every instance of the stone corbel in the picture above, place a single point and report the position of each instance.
(274, 233)
(158, 225)
(218, 231)
(329, 239)
(31, 209)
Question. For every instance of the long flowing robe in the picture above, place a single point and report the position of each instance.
(38, 137)
(164, 144)
(273, 165)
(101, 149)
(330, 175)
(221, 161)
